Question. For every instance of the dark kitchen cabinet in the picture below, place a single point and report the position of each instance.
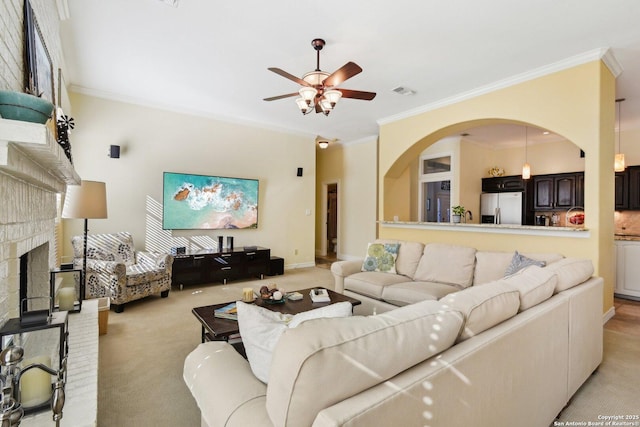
(633, 175)
(622, 190)
(558, 191)
(580, 189)
(503, 184)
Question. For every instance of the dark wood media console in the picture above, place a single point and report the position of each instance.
(206, 267)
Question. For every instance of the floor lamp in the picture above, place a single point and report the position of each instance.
(87, 201)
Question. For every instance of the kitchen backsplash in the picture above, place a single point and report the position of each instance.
(627, 222)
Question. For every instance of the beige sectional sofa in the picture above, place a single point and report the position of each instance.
(423, 272)
(507, 351)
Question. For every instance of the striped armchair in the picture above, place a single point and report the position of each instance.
(116, 270)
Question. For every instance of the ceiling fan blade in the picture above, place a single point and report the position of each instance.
(288, 76)
(357, 94)
(343, 73)
(274, 98)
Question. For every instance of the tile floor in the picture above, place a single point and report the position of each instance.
(627, 317)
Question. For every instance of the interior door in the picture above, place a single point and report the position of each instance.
(332, 219)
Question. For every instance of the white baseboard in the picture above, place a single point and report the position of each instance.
(300, 265)
(608, 315)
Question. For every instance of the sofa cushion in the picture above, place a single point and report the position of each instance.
(381, 257)
(448, 264)
(535, 284)
(409, 254)
(411, 292)
(571, 272)
(519, 261)
(491, 266)
(484, 306)
(371, 283)
(347, 356)
(261, 329)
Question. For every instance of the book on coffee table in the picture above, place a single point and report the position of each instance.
(229, 311)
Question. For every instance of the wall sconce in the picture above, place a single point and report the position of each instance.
(114, 151)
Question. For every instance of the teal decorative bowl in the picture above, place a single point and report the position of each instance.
(24, 107)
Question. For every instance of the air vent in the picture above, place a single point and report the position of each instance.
(401, 90)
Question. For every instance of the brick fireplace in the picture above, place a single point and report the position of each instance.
(33, 171)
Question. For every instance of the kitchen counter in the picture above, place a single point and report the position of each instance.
(493, 228)
(626, 237)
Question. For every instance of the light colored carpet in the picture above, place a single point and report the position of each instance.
(142, 355)
(613, 389)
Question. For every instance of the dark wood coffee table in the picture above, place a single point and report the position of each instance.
(216, 329)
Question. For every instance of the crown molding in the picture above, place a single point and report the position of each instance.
(604, 54)
(612, 63)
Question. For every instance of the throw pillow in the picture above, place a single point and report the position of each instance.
(535, 284)
(381, 257)
(484, 306)
(571, 272)
(261, 329)
(518, 262)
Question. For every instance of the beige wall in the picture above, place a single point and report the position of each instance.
(577, 103)
(353, 166)
(154, 141)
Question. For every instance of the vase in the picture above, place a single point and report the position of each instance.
(455, 218)
(24, 107)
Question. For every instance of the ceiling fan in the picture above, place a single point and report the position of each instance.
(319, 90)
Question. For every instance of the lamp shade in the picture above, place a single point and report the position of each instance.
(87, 200)
(526, 171)
(619, 164)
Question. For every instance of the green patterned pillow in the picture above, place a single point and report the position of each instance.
(381, 257)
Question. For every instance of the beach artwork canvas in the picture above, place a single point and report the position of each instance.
(199, 202)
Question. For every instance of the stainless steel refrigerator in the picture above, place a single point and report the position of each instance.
(501, 208)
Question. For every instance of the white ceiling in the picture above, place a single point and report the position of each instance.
(211, 57)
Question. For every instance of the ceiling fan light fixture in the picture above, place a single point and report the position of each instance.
(315, 78)
(307, 93)
(302, 105)
(326, 106)
(318, 92)
(333, 96)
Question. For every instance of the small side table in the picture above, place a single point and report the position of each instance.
(75, 276)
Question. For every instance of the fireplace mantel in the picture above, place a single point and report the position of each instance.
(30, 152)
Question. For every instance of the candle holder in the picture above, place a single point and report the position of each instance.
(26, 383)
(67, 289)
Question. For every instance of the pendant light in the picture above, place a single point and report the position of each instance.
(618, 162)
(526, 168)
